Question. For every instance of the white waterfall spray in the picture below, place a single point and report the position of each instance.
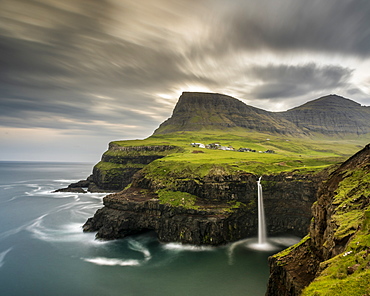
(261, 215)
(262, 243)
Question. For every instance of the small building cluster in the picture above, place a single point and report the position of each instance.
(215, 146)
(227, 148)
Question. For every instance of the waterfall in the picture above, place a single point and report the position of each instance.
(261, 215)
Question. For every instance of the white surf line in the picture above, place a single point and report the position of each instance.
(112, 261)
(2, 256)
(182, 247)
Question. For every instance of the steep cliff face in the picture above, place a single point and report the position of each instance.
(136, 210)
(119, 164)
(334, 258)
(224, 207)
(287, 196)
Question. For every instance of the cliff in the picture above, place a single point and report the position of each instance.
(136, 210)
(334, 257)
(213, 210)
(118, 165)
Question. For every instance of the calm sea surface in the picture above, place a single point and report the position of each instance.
(43, 250)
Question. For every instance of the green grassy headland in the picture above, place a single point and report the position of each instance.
(304, 154)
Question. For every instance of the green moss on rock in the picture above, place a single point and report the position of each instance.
(349, 272)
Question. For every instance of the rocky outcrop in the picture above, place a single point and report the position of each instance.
(292, 270)
(336, 253)
(82, 186)
(118, 165)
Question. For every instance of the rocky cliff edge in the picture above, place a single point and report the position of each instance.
(334, 258)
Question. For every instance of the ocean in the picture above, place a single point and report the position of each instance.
(43, 250)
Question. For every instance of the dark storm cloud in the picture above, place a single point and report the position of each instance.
(56, 65)
(294, 25)
(99, 66)
(284, 81)
(48, 47)
(78, 50)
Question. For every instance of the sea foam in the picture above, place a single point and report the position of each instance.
(112, 261)
(2, 256)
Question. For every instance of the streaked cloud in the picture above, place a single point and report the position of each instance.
(116, 67)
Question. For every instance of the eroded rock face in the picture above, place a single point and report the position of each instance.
(289, 276)
(337, 218)
(135, 211)
(287, 197)
(323, 227)
(118, 166)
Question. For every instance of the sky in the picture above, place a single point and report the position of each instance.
(77, 74)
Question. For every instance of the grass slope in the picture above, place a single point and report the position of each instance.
(304, 154)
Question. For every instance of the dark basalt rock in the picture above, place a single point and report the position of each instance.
(82, 185)
(132, 212)
(71, 189)
(118, 166)
(288, 198)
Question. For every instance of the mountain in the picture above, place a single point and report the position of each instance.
(330, 115)
(196, 111)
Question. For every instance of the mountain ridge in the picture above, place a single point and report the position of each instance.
(329, 115)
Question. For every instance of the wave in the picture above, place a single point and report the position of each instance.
(2, 256)
(68, 181)
(181, 247)
(134, 245)
(112, 261)
(70, 232)
(7, 186)
(11, 232)
(139, 247)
